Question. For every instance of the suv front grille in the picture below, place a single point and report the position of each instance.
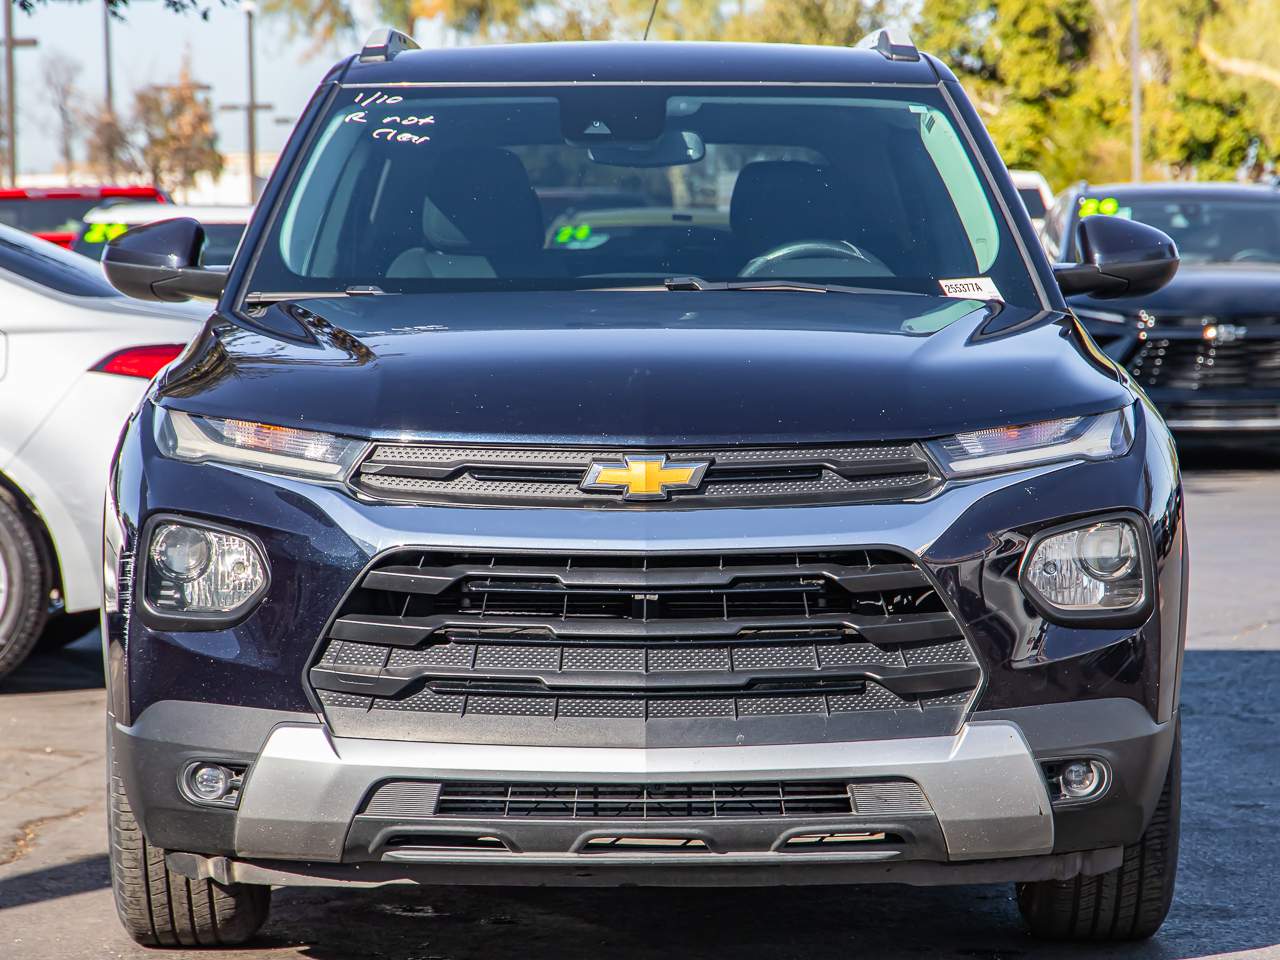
(1185, 363)
(456, 645)
(737, 476)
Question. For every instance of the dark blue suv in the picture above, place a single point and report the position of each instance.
(643, 464)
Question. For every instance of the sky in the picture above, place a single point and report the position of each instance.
(148, 47)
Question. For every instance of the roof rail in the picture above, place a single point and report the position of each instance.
(891, 43)
(384, 44)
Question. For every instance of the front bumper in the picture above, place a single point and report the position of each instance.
(301, 815)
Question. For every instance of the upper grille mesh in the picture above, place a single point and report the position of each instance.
(737, 475)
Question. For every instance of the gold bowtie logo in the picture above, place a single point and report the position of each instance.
(644, 477)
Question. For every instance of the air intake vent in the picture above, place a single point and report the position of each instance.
(589, 643)
(489, 800)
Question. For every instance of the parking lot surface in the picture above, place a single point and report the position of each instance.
(55, 898)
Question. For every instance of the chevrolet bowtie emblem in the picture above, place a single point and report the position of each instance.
(644, 477)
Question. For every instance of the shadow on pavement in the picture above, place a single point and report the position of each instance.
(51, 883)
(77, 666)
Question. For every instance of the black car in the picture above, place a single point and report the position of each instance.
(1205, 348)
(810, 542)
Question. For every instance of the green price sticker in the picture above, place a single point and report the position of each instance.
(569, 233)
(1107, 206)
(104, 232)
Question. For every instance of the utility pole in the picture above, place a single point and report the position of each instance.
(1135, 95)
(251, 106)
(11, 43)
(106, 57)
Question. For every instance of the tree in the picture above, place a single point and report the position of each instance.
(1239, 41)
(323, 20)
(60, 74)
(109, 151)
(1021, 62)
(1052, 81)
(176, 140)
(833, 22)
(120, 7)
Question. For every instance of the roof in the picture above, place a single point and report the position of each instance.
(1188, 189)
(136, 213)
(652, 61)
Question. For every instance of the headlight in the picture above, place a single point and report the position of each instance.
(1099, 437)
(1093, 571)
(305, 453)
(200, 572)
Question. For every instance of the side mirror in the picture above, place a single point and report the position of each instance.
(161, 261)
(1119, 258)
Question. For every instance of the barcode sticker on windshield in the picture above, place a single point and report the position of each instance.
(971, 288)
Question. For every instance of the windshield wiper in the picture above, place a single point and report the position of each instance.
(363, 290)
(800, 286)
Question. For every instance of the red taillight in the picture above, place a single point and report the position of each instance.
(144, 362)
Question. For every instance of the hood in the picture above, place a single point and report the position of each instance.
(1212, 289)
(644, 367)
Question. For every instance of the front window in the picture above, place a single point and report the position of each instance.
(1206, 229)
(413, 189)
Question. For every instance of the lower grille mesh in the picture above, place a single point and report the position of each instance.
(411, 799)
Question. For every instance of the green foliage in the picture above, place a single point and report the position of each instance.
(1052, 80)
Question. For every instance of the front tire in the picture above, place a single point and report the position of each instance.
(1127, 903)
(160, 908)
(24, 589)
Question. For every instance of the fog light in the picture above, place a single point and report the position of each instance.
(1076, 779)
(217, 784)
(209, 781)
(1080, 778)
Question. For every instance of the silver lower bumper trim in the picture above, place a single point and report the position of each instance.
(719, 871)
(984, 785)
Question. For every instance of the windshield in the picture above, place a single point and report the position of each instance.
(419, 189)
(1206, 229)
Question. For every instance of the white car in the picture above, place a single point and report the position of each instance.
(223, 227)
(75, 358)
(1032, 187)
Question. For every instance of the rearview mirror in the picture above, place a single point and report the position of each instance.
(1118, 258)
(673, 148)
(161, 261)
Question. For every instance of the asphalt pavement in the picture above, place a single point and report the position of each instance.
(55, 897)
